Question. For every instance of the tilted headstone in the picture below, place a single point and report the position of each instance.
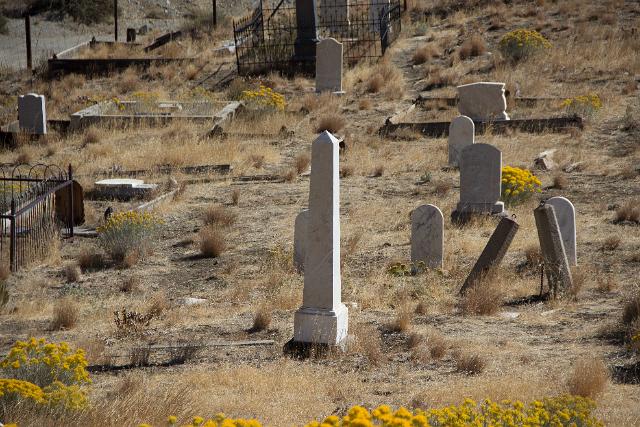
(554, 256)
(329, 66)
(427, 236)
(334, 14)
(300, 239)
(376, 8)
(32, 114)
(483, 101)
(480, 181)
(461, 135)
(566, 217)
(323, 318)
(493, 253)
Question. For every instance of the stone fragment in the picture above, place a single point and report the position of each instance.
(427, 236)
(566, 217)
(300, 239)
(32, 114)
(544, 161)
(461, 135)
(556, 265)
(329, 66)
(224, 116)
(493, 253)
(483, 101)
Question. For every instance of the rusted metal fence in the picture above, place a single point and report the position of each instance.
(36, 207)
(266, 39)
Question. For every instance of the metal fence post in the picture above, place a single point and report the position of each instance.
(27, 30)
(71, 218)
(115, 18)
(215, 14)
(12, 238)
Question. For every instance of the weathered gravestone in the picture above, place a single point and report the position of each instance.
(566, 217)
(483, 101)
(427, 236)
(300, 239)
(329, 66)
(493, 253)
(554, 256)
(64, 208)
(480, 182)
(32, 114)
(323, 318)
(461, 135)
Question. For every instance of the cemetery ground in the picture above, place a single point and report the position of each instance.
(414, 342)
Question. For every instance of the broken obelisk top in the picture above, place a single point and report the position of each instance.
(322, 319)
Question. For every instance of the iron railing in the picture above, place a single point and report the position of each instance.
(265, 40)
(31, 214)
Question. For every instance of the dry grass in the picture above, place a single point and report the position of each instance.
(302, 163)
(630, 211)
(219, 216)
(483, 299)
(424, 53)
(375, 83)
(559, 182)
(65, 315)
(212, 243)
(631, 311)
(403, 319)
(442, 188)
(368, 343)
(330, 122)
(130, 284)
(470, 364)
(377, 171)
(72, 272)
(365, 104)
(90, 260)
(91, 136)
(262, 319)
(158, 304)
(235, 197)
(611, 243)
(346, 171)
(475, 46)
(437, 345)
(589, 378)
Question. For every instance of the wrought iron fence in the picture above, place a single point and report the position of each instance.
(266, 39)
(36, 206)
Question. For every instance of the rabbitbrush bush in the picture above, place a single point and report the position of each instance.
(43, 374)
(583, 106)
(564, 411)
(518, 185)
(264, 99)
(128, 233)
(521, 44)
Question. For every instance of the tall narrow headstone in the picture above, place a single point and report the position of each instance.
(427, 236)
(480, 182)
(554, 256)
(32, 114)
(483, 101)
(323, 318)
(566, 217)
(300, 239)
(493, 253)
(329, 66)
(307, 33)
(461, 135)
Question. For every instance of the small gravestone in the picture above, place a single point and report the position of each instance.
(32, 114)
(323, 318)
(480, 182)
(556, 265)
(63, 206)
(483, 101)
(329, 66)
(461, 135)
(566, 217)
(300, 239)
(427, 236)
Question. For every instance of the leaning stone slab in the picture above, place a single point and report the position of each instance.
(493, 253)
(124, 189)
(483, 101)
(329, 66)
(224, 116)
(32, 114)
(566, 217)
(461, 135)
(556, 265)
(427, 236)
(300, 239)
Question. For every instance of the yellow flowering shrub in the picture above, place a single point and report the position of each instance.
(262, 99)
(128, 232)
(44, 373)
(520, 44)
(518, 185)
(583, 106)
(563, 411)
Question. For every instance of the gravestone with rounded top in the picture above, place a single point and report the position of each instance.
(300, 239)
(323, 318)
(483, 101)
(32, 114)
(427, 236)
(461, 135)
(566, 217)
(329, 66)
(480, 181)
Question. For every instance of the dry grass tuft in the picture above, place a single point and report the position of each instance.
(403, 320)
(302, 162)
(91, 261)
(212, 243)
(331, 122)
(368, 343)
(256, 160)
(533, 256)
(631, 311)
(262, 319)
(442, 188)
(91, 136)
(290, 175)
(589, 378)
(157, 305)
(72, 272)
(346, 171)
(579, 278)
(415, 339)
(375, 83)
(365, 104)
(235, 197)
(424, 53)
(483, 299)
(630, 211)
(559, 182)
(65, 315)
(470, 364)
(611, 243)
(437, 345)
(378, 171)
(130, 284)
(475, 46)
(218, 215)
